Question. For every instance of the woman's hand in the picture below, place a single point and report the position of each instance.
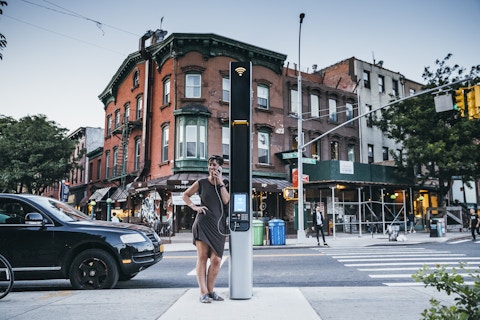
(199, 209)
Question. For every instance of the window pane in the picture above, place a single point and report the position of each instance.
(201, 141)
(263, 147)
(332, 110)
(262, 97)
(226, 142)
(192, 86)
(226, 89)
(166, 91)
(294, 101)
(139, 107)
(191, 139)
(349, 110)
(334, 150)
(315, 111)
(351, 152)
(165, 144)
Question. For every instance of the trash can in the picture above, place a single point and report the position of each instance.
(276, 228)
(440, 227)
(257, 226)
(433, 228)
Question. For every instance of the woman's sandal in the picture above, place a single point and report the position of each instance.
(214, 296)
(205, 298)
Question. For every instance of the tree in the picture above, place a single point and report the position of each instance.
(35, 154)
(3, 40)
(436, 145)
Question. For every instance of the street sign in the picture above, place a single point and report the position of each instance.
(309, 160)
(290, 155)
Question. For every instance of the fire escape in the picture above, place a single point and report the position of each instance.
(120, 167)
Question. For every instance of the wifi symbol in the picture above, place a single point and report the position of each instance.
(240, 70)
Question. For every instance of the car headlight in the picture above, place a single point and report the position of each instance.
(132, 238)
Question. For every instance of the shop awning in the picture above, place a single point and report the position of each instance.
(119, 195)
(269, 184)
(99, 194)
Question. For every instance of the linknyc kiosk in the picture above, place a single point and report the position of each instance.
(240, 218)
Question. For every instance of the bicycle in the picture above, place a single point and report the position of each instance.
(6, 277)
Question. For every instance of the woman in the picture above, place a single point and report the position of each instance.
(474, 222)
(209, 228)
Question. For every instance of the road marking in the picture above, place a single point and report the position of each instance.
(416, 284)
(419, 263)
(400, 259)
(420, 254)
(403, 275)
(458, 241)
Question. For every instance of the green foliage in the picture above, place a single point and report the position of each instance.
(436, 145)
(35, 154)
(467, 300)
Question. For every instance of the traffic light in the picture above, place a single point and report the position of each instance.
(473, 102)
(459, 102)
(290, 193)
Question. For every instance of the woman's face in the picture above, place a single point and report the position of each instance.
(213, 166)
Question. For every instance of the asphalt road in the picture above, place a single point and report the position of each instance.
(303, 267)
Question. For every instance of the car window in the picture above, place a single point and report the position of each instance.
(63, 211)
(13, 211)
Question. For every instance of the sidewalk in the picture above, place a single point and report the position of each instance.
(266, 303)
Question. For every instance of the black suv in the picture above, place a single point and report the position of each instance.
(47, 239)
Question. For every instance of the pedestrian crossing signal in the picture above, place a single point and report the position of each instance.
(290, 193)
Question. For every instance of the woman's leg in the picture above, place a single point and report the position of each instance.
(213, 270)
(201, 267)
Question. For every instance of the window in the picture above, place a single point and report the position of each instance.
(385, 153)
(294, 142)
(334, 154)
(193, 87)
(115, 171)
(332, 110)
(124, 158)
(99, 169)
(139, 107)
(107, 164)
(136, 161)
(192, 137)
(135, 79)
(127, 112)
(226, 142)
(370, 153)
(366, 79)
(294, 101)
(165, 143)
(263, 147)
(117, 119)
(412, 92)
(166, 91)
(381, 84)
(109, 124)
(369, 117)
(349, 111)
(263, 96)
(395, 88)
(226, 89)
(90, 171)
(316, 150)
(314, 106)
(351, 152)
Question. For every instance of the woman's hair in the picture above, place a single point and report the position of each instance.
(219, 159)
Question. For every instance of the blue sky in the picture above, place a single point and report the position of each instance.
(59, 59)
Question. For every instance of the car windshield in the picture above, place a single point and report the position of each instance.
(63, 211)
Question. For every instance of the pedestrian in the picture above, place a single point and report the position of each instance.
(411, 222)
(114, 217)
(318, 219)
(474, 222)
(209, 227)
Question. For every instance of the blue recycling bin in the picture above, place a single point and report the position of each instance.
(276, 232)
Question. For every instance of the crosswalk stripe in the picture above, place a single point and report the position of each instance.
(458, 241)
(416, 284)
(392, 264)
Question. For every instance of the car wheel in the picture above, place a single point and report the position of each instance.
(93, 269)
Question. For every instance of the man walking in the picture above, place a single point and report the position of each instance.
(474, 222)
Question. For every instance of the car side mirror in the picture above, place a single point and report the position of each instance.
(34, 218)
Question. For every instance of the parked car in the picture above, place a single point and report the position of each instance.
(47, 239)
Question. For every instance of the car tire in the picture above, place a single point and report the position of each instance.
(93, 269)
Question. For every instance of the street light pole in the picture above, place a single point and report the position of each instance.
(109, 208)
(301, 229)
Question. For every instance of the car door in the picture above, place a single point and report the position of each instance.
(26, 246)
